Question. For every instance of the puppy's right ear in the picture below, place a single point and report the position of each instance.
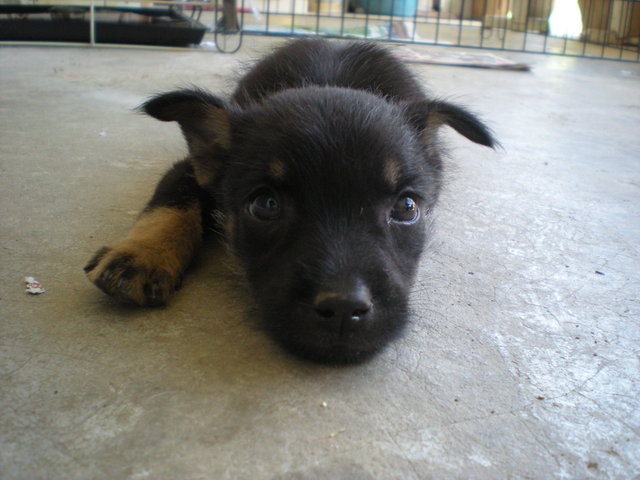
(428, 116)
(204, 122)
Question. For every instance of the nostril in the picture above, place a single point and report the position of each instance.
(355, 314)
(353, 304)
(324, 312)
(360, 312)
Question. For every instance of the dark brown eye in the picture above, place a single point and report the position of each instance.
(264, 206)
(405, 211)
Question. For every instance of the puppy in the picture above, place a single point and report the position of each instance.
(321, 173)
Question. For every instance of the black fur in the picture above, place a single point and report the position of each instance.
(324, 166)
(179, 189)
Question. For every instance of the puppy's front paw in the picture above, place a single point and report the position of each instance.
(135, 274)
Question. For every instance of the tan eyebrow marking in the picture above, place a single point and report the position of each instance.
(392, 172)
(277, 169)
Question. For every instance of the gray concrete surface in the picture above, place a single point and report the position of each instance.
(522, 360)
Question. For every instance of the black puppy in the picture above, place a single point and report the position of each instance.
(321, 171)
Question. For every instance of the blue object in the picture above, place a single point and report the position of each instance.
(397, 8)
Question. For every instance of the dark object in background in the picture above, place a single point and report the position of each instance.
(142, 26)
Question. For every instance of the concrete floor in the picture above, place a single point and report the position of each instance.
(523, 359)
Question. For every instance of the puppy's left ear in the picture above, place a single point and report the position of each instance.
(428, 116)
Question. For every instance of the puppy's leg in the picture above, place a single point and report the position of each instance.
(147, 265)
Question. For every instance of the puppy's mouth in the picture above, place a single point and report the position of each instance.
(334, 350)
(334, 340)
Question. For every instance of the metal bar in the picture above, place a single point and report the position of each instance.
(267, 15)
(415, 24)
(623, 20)
(585, 29)
(526, 27)
(459, 41)
(484, 15)
(438, 23)
(546, 32)
(390, 31)
(366, 22)
(504, 35)
(92, 24)
(605, 40)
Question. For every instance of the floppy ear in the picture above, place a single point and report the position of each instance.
(428, 116)
(204, 122)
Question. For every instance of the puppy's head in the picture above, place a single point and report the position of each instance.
(327, 194)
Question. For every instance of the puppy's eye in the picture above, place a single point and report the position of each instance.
(265, 206)
(405, 211)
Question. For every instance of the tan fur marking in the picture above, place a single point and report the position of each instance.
(217, 121)
(392, 172)
(173, 234)
(216, 124)
(204, 172)
(159, 247)
(277, 169)
(435, 120)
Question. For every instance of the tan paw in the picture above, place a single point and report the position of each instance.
(134, 274)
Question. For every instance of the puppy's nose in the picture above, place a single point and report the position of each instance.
(345, 309)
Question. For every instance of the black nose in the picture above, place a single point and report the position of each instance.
(345, 309)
